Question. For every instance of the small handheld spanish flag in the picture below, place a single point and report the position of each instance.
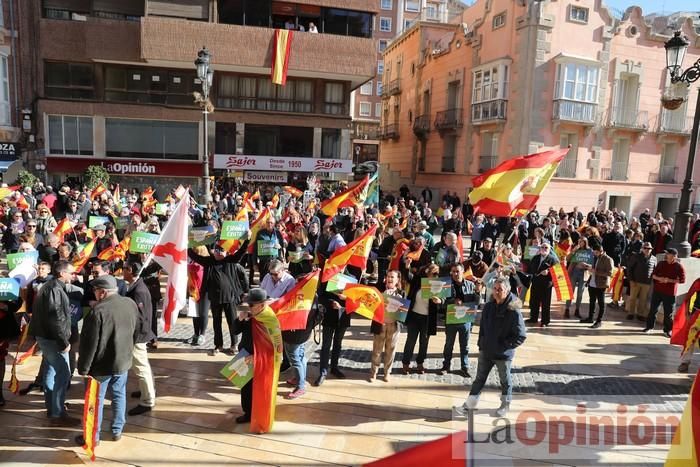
(91, 424)
(97, 191)
(561, 281)
(616, 284)
(293, 191)
(292, 309)
(365, 301)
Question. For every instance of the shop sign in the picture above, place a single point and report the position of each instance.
(265, 177)
(9, 151)
(124, 167)
(290, 164)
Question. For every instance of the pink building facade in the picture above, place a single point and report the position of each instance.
(513, 79)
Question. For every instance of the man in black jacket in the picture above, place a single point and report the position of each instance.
(138, 292)
(541, 286)
(107, 349)
(501, 331)
(51, 326)
(640, 267)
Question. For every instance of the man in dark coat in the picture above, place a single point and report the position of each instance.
(139, 293)
(107, 348)
(541, 286)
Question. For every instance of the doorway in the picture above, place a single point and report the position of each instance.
(622, 203)
(667, 206)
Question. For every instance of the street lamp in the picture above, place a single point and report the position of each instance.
(676, 47)
(206, 76)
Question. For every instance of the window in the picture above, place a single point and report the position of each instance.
(431, 11)
(151, 139)
(330, 143)
(69, 80)
(576, 81)
(489, 151)
(578, 14)
(334, 100)
(242, 92)
(385, 24)
(448, 155)
(2, 16)
(380, 67)
(407, 23)
(365, 109)
(366, 89)
(70, 135)
(275, 140)
(378, 110)
(567, 167)
(346, 22)
(382, 44)
(379, 88)
(499, 20)
(490, 83)
(387, 4)
(149, 86)
(5, 114)
(412, 5)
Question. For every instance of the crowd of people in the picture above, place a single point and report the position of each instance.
(100, 316)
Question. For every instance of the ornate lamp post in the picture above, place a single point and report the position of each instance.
(676, 47)
(206, 76)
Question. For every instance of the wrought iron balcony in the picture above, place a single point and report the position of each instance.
(393, 88)
(449, 119)
(421, 125)
(618, 171)
(566, 169)
(575, 111)
(675, 122)
(629, 119)
(666, 174)
(489, 111)
(390, 131)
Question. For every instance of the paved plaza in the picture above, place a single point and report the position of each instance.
(560, 373)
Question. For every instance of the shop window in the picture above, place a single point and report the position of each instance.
(70, 135)
(151, 139)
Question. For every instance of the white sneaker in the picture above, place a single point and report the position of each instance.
(471, 402)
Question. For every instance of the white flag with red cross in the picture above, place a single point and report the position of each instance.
(171, 253)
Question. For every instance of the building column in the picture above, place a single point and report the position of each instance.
(99, 133)
(317, 146)
(345, 146)
(240, 138)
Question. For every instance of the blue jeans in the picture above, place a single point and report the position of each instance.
(117, 383)
(297, 360)
(451, 332)
(56, 378)
(482, 373)
(577, 282)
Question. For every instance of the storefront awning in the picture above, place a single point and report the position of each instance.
(4, 165)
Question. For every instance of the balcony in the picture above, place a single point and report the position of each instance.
(675, 123)
(666, 174)
(448, 119)
(393, 88)
(628, 119)
(421, 125)
(618, 171)
(575, 111)
(566, 169)
(485, 112)
(487, 163)
(389, 131)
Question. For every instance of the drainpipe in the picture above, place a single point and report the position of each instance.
(15, 58)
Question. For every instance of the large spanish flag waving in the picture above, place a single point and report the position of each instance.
(255, 227)
(686, 327)
(354, 253)
(450, 451)
(562, 282)
(685, 447)
(267, 358)
(281, 48)
(515, 184)
(365, 301)
(97, 191)
(397, 253)
(351, 197)
(62, 228)
(292, 309)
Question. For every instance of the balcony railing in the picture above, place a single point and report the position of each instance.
(675, 122)
(575, 111)
(449, 119)
(393, 88)
(618, 171)
(487, 163)
(390, 131)
(666, 174)
(631, 119)
(421, 125)
(489, 111)
(566, 169)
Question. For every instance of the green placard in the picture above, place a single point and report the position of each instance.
(234, 230)
(531, 251)
(461, 314)
(296, 256)
(337, 283)
(440, 287)
(120, 223)
(161, 209)
(142, 242)
(13, 259)
(267, 248)
(583, 256)
(396, 308)
(201, 236)
(97, 220)
(9, 289)
(239, 370)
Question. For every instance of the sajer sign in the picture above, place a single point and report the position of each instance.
(290, 164)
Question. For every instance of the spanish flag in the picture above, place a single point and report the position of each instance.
(292, 309)
(62, 228)
(616, 284)
(231, 246)
(8, 190)
(469, 275)
(685, 447)
(354, 253)
(117, 197)
(83, 255)
(267, 358)
(296, 192)
(563, 248)
(195, 274)
(22, 202)
(365, 301)
(90, 417)
(686, 327)
(148, 193)
(281, 50)
(275, 201)
(562, 282)
(515, 183)
(97, 191)
(255, 227)
(449, 451)
(117, 252)
(400, 249)
(460, 247)
(349, 198)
